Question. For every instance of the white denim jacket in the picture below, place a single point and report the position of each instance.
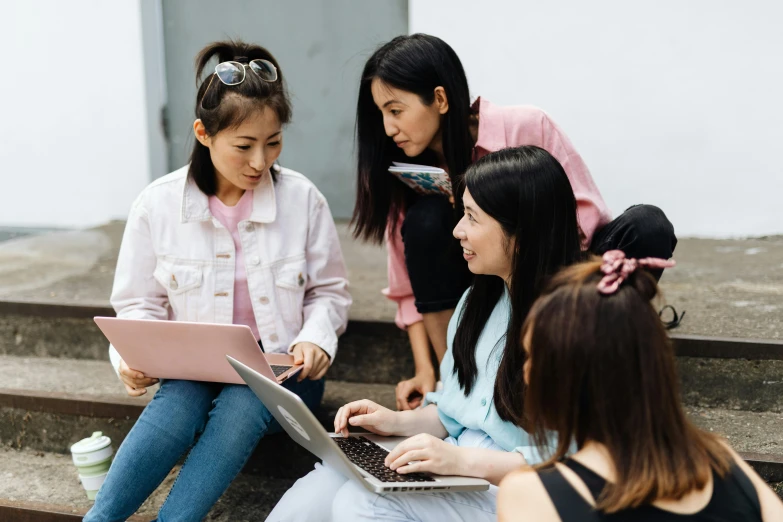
(177, 262)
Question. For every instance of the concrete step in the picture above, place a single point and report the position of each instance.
(44, 486)
(748, 432)
(756, 436)
(734, 384)
(39, 485)
(370, 351)
(48, 404)
(726, 373)
(730, 287)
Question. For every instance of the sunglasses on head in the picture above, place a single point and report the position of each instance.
(233, 72)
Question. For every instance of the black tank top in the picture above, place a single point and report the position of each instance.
(734, 499)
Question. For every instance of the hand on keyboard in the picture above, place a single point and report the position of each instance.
(368, 415)
(425, 453)
(370, 457)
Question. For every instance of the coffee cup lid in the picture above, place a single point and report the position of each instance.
(96, 442)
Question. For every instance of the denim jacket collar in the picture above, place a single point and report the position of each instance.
(195, 204)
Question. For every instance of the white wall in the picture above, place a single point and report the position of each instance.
(73, 136)
(675, 103)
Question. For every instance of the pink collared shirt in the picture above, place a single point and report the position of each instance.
(499, 128)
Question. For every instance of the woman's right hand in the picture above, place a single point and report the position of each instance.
(136, 383)
(368, 415)
(410, 393)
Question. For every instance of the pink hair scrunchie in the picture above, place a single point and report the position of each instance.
(616, 269)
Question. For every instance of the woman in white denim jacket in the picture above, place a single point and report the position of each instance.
(230, 238)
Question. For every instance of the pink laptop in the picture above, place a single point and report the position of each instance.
(192, 351)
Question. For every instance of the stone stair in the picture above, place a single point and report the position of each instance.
(56, 385)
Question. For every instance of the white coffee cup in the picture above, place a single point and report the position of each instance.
(92, 457)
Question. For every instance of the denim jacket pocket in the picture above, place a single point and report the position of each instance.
(179, 279)
(291, 281)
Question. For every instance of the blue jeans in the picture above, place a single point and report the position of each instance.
(227, 419)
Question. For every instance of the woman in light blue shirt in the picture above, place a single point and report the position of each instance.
(518, 228)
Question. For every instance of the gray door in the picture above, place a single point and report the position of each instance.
(321, 46)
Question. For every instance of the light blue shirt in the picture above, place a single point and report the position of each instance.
(477, 411)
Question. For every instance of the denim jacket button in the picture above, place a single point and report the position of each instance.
(264, 300)
(249, 227)
(173, 285)
(255, 260)
(273, 338)
(483, 402)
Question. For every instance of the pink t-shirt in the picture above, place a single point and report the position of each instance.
(230, 217)
(501, 127)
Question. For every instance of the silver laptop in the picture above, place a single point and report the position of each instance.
(359, 456)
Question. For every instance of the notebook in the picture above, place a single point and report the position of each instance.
(422, 178)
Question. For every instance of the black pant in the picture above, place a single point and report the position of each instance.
(439, 275)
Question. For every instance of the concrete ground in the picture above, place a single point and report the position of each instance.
(51, 479)
(729, 288)
(96, 378)
(749, 431)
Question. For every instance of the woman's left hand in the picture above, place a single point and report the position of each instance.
(313, 359)
(424, 452)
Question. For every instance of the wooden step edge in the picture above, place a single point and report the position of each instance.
(768, 465)
(18, 511)
(102, 406)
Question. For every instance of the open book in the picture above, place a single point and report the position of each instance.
(422, 178)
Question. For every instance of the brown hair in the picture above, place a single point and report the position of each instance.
(603, 370)
(221, 106)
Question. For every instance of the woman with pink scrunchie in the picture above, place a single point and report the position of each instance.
(600, 374)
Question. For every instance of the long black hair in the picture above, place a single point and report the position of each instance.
(418, 64)
(221, 106)
(527, 191)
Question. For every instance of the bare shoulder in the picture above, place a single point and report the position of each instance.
(522, 496)
(524, 478)
(771, 505)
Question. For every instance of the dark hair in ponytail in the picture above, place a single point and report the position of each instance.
(221, 106)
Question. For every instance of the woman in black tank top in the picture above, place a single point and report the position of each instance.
(733, 498)
(600, 374)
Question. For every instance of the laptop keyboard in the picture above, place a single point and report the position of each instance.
(279, 370)
(369, 456)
